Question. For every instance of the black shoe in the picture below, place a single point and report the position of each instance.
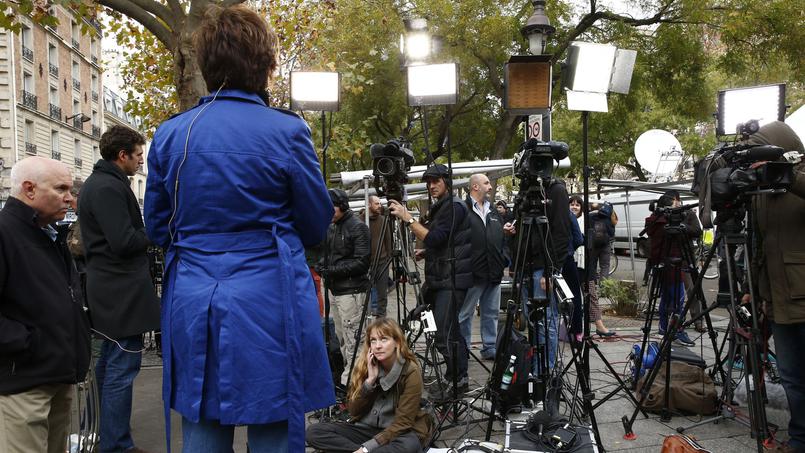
(611, 333)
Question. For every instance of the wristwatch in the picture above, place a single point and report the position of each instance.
(410, 221)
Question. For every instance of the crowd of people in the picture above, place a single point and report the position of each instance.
(240, 309)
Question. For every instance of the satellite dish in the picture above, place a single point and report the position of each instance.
(658, 152)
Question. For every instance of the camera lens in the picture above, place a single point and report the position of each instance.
(385, 166)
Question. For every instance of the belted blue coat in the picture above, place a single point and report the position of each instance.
(234, 194)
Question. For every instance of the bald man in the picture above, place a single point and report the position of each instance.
(44, 336)
(488, 262)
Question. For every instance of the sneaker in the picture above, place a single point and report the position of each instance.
(683, 339)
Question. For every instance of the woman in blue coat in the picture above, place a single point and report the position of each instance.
(234, 195)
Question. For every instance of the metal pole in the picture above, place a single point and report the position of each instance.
(366, 197)
(629, 232)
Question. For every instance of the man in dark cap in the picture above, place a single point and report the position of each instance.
(448, 265)
(345, 271)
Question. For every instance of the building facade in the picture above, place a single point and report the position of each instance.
(114, 114)
(50, 88)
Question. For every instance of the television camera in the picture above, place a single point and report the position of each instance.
(390, 164)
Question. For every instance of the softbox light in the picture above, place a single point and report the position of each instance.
(589, 67)
(435, 84)
(315, 91)
(527, 84)
(739, 105)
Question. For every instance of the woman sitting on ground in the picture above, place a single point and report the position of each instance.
(383, 400)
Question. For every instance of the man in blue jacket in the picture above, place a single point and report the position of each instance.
(488, 262)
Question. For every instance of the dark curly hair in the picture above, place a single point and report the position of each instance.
(119, 138)
(235, 49)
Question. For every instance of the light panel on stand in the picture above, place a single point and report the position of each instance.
(315, 91)
(435, 84)
(740, 105)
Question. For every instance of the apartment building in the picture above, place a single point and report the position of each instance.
(50, 88)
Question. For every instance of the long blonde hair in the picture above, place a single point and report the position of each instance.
(388, 328)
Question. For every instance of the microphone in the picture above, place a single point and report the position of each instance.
(761, 153)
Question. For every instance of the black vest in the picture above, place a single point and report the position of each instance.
(488, 259)
(437, 261)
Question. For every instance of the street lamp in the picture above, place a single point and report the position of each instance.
(81, 117)
(537, 28)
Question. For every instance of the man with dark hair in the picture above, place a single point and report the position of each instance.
(488, 262)
(120, 293)
(345, 273)
(44, 336)
(448, 274)
(779, 266)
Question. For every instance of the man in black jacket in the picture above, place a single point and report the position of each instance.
(448, 273)
(44, 336)
(346, 274)
(122, 301)
(488, 262)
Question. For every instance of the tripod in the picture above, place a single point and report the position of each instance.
(745, 339)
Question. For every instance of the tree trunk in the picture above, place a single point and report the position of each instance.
(504, 134)
(190, 84)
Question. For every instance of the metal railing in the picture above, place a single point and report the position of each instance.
(96, 131)
(95, 96)
(77, 84)
(94, 59)
(77, 123)
(78, 162)
(53, 69)
(29, 99)
(55, 155)
(28, 54)
(30, 148)
(55, 111)
(76, 44)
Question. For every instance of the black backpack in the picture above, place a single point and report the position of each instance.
(517, 393)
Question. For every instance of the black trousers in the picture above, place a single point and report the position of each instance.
(445, 305)
(347, 437)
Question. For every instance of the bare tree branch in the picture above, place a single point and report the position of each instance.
(145, 18)
(226, 3)
(176, 7)
(159, 10)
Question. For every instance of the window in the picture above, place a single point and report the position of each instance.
(77, 148)
(93, 46)
(53, 59)
(94, 117)
(76, 34)
(76, 70)
(96, 153)
(54, 96)
(27, 82)
(54, 141)
(27, 43)
(76, 106)
(30, 131)
(94, 83)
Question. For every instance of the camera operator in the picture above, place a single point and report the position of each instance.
(346, 273)
(556, 242)
(673, 284)
(779, 265)
(445, 284)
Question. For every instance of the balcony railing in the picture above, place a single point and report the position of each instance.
(77, 84)
(55, 155)
(76, 44)
(78, 162)
(29, 100)
(95, 59)
(96, 131)
(53, 69)
(95, 96)
(55, 111)
(30, 148)
(27, 53)
(77, 123)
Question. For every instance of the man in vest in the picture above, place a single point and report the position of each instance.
(488, 262)
(448, 265)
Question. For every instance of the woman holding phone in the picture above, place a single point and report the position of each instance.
(383, 399)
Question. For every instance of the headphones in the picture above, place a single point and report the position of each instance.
(171, 231)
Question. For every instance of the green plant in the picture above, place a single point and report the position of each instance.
(623, 294)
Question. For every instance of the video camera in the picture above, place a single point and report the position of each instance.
(390, 164)
(534, 165)
(728, 172)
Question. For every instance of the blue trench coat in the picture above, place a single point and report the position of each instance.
(242, 341)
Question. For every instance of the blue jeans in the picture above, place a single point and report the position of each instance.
(209, 436)
(115, 372)
(788, 341)
(488, 295)
(552, 318)
(673, 300)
